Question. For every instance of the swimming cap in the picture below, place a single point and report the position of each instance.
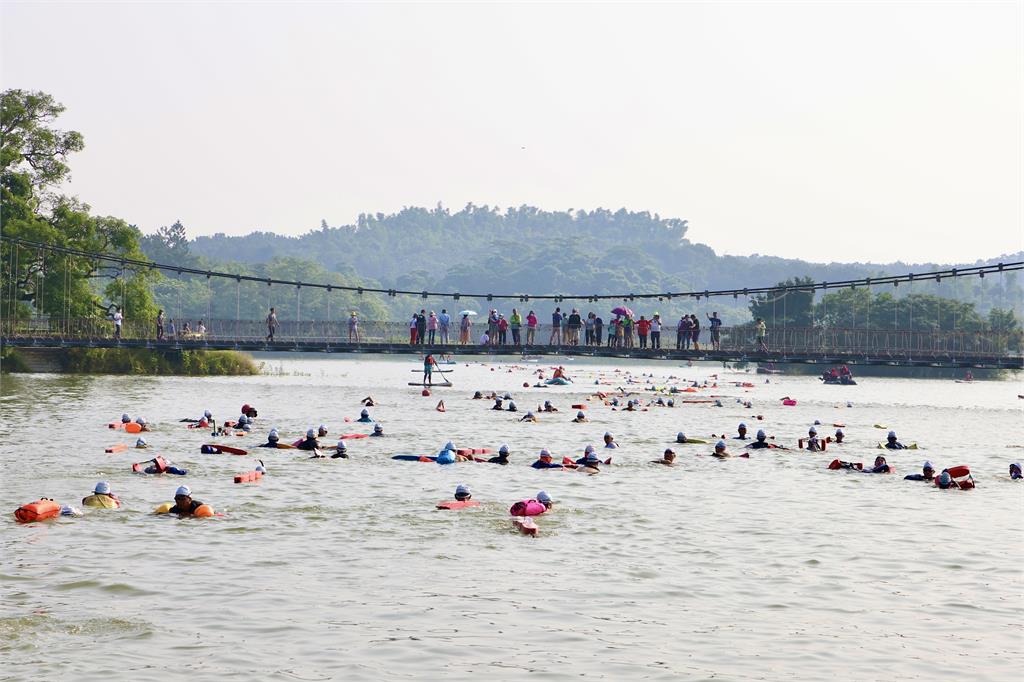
(377, 428)
(341, 445)
(322, 428)
(580, 415)
(671, 402)
(761, 434)
(503, 449)
(741, 426)
(928, 465)
(545, 453)
(892, 434)
(272, 435)
(462, 489)
(207, 414)
(140, 442)
(1015, 465)
(530, 414)
(592, 457)
(508, 396)
(608, 434)
(141, 421)
(260, 468)
(449, 446)
(547, 403)
(125, 417)
(589, 448)
(310, 433)
(817, 422)
(543, 497)
(183, 490)
(365, 412)
(102, 488)
(839, 432)
(849, 404)
(512, 405)
(945, 480)
(720, 444)
(812, 430)
(680, 436)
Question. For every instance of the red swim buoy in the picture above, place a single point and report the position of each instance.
(526, 384)
(425, 393)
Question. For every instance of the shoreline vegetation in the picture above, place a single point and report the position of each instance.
(134, 361)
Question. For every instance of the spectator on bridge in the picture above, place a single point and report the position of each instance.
(201, 329)
(271, 324)
(485, 339)
(716, 330)
(502, 330)
(515, 323)
(444, 321)
(118, 319)
(465, 330)
(598, 329)
(431, 328)
(643, 328)
(353, 328)
(588, 329)
(656, 331)
(695, 331)
(421, 326)
(573, 324)
(186, 330)
(172, 331)
(682, 332)
(160, 325)
(413, 328)
(556, 328)
(492, 325)
(531, 328)
(760, 333)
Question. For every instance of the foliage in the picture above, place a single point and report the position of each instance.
(143, 361)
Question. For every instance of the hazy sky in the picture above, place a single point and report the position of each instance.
(828, 131)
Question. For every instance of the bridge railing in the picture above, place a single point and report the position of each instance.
(791, 340)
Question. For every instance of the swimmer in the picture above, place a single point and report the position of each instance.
(1015, 471)
(141, 421)
(670, 403)
(367, 401)
(591, 464)
(609, 440)
(184, 505)
(881, 467)
(741, 430)
(102, 497)
(761, 442)
(141, 444)
(364, 416)
(546, 500)
(681, 437)
(272, 439)
(893, 444)
(548, 407)
(125, 419)
(159, 466)
(630, 406)
(502, 457)
(478, 396)
(341, 452)
(378, 431)
(310, 443)
(586, 451)
(544, 461)
(660, 402)
(927, 474)
(668, 459)
(243, 423)
(720, 450)
(813, 444)
(321, 431)
(945, 481)
(512, 407)
(580, 418)
(462, 493)
(497, 404)
(839, 436)
(529, 417)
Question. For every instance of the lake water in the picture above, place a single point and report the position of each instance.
(762, 569)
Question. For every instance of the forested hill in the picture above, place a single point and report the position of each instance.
(482, 249)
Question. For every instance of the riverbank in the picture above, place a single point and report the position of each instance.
(128, 361)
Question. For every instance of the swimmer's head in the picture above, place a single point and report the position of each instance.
(102, 488)
(503, 450)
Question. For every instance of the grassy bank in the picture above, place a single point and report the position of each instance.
(142, 361)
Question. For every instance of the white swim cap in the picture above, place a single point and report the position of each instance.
(273, 435)
(207, 414)
(928, 465)
(102, 488)
(720, 444)
(310, 433)
(125, 417)
(140, 442)
(183, 490)
(322, 427)
(341, 445)
(462, 489)
(543, 497)
(141, 421)
(812, 430)
(503, 449)
(260, 468)
(607, 434)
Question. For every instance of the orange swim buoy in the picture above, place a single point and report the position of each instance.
(120, 447)
(579, 407)
(37, 511)
(133, 428)
(248, 477)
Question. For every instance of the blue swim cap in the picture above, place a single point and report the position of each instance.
(449, 446)
(102, 488)
(741, 426)
(140, 443)
(543, 497)
(720, 444)
(592, 457)
(761, 434)
(503, 449)
(446, 457)
(945, 480)
(462, 489)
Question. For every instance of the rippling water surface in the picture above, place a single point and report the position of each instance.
(768, 568)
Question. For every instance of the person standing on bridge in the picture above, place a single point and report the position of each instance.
(716, 330)
(413, 327)
(353, 328)
(465, 330)
(431, 328)
(556, 328)
(643, 328)
(160, 325)
(172, 331)
(271, 325)
(531, 328)
(695, 331)
(444, 321)
(656, 331)
(421, 326)
(515, 323)
(118, 319)
(760, 333)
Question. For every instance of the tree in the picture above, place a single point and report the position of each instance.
(792, 307)
(30, 146)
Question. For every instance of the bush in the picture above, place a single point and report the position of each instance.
(145, 361)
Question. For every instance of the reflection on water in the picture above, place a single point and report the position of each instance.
(739, 569)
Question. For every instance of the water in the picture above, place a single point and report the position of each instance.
(766, 568)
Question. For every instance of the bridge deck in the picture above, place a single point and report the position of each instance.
(900, 358)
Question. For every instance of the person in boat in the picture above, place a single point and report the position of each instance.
(512, 406)
(881, 467)
(429, 363)
(741, 431)
(813, 442)
(310, 442)
(548, 407)
(498, 405)
(272, 440)
(609, 440)
(378, 431)
(143, 424)
(141, 444)
(463, 493)
(184, 505)
(102, 497)
(720, 450)
(668, 459)
(580, 418)
(1015, 471)
(844, 372)
(761, 441)
(367, 401)
(341, 452)
(502, 458)
(364, 416)
(528, 417)
(927, 474)
(321, 431)
(892, 443)
(544, 461)
(839, 435)
(591, 464)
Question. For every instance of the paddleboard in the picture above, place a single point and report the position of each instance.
(423, 385)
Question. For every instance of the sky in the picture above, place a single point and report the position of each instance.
(829, 131)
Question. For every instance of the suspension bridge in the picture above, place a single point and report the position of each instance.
(818, 344)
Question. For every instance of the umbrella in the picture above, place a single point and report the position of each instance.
(468, 312)
(622, 310)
